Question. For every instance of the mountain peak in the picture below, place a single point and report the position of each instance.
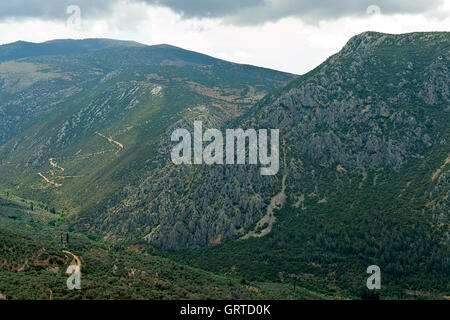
(371, 39)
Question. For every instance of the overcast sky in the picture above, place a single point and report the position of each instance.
(287, 35)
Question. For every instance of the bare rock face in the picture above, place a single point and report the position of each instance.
(346, 113)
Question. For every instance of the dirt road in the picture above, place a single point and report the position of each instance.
(112, 141)
(75, 257)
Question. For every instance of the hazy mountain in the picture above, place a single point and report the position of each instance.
(23, 49)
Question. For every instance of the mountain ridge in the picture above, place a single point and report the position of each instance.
(24, 49)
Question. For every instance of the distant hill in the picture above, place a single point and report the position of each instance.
(23, 49)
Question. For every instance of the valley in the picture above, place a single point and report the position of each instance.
(364, 179)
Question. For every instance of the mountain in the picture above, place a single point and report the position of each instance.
(64, 107)
(77, 128)
(364, 160)
(366, 174)
(365, 142)
(23, 49)
(375, 105)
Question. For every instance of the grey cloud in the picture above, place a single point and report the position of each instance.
(244, 12)
(260, 11)
(52, 9)
(207, 8)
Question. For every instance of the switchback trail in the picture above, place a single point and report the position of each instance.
(55, 164)
(112, 141)
(438, 171)
(52, 182)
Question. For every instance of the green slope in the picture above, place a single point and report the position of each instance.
(33, 265)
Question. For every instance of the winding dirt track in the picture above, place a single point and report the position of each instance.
(111, 141)
(55, 164)
(52, 182)
(75, 257)
(438, 171)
